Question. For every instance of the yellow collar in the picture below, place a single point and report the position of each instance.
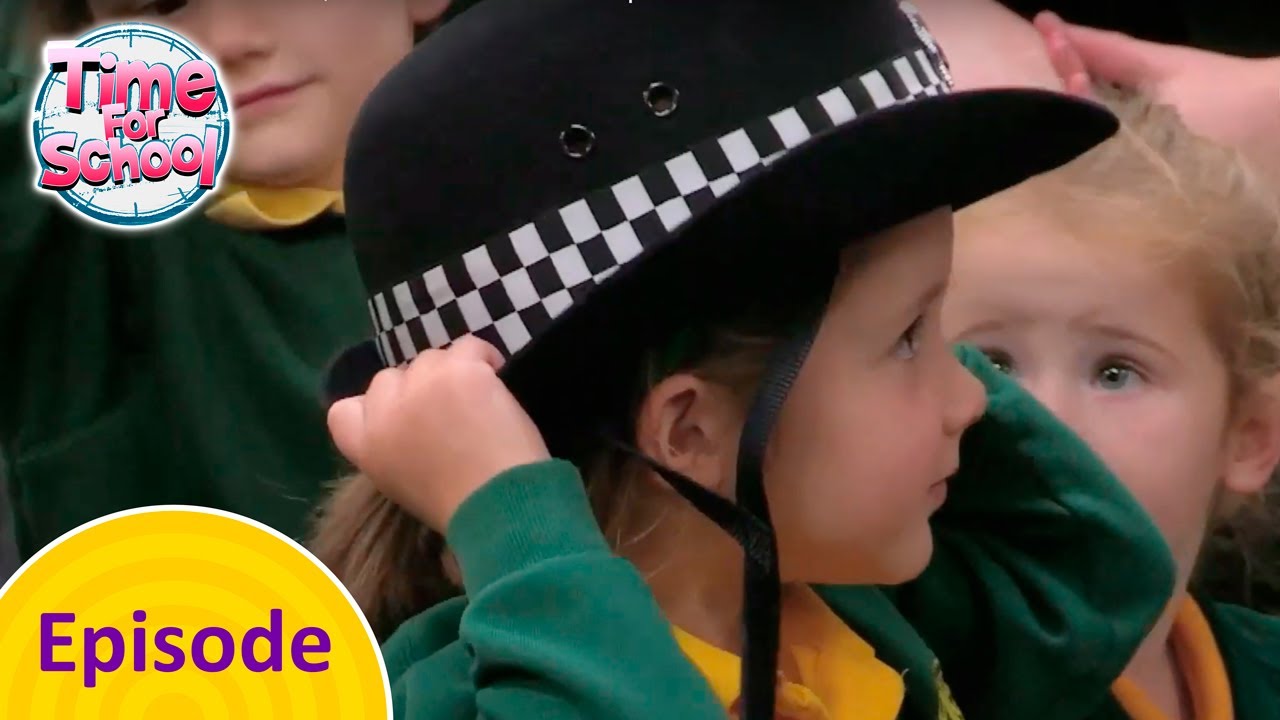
(271, 208)
(830, 672)
(1200, 665)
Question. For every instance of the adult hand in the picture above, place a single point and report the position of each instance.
(1232, 100)
(432, 434)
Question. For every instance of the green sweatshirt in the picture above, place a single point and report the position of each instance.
(1046, 577)
(1250, 646)
(175, 366)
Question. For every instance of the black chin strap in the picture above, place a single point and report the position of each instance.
(761, 587)
(755, 537)
(748, 522)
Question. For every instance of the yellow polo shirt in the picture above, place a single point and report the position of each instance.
(828, 671)
(271, 208)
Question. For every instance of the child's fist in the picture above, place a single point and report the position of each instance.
(431, 434)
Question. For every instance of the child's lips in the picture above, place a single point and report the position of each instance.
(938, 492)
(264, 93)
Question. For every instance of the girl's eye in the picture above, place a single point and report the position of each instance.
(909, 342)
(1001, 359)
(1115, 376)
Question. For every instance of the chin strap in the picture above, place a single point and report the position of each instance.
(747, 521)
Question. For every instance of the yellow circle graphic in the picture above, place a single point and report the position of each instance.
(183, 612)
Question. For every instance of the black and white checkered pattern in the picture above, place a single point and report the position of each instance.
(511, 287)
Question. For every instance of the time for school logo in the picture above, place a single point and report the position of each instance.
(131, 125)
(180, 613)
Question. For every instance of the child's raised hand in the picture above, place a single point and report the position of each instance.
(432, 434)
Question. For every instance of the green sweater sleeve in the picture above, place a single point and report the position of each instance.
(64, 298)
(554, 625)
(1047, 573)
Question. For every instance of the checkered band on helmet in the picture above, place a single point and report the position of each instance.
(508, 289)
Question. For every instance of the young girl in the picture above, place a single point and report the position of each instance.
(650, 299)
(180, 365)
(1136, 293)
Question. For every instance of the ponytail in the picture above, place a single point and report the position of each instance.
(390, 562)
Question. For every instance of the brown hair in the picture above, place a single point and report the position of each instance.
(393, 565)
(1197, 206)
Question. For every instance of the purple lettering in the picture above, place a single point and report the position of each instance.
(48, 641)
(139, 642)
(177, 658)
(228, 649)
(300, 649)
(93, 662)
(275, 645)
(308, 649)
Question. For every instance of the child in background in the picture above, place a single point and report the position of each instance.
(1136, 293)
(681, 233)
(181, 365)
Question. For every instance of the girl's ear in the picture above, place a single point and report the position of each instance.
(691, 426)
(426, 13)
(450, 565)
(1254, 443)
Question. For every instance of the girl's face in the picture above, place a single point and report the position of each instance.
(870, 432)
(1115, 345)
(294, 79)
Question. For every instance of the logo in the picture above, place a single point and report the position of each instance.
(947, 707)
(930, 44)
(182, 612)
(131, 126)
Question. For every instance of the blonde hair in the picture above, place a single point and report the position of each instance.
(1197, 206)
(394, 565)
(1191, 203)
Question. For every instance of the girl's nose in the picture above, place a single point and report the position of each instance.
(968, 400)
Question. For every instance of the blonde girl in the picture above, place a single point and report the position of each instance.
(1136, 293)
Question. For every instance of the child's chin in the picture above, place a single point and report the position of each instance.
(260, 159)
(909, 564)
(893, 563)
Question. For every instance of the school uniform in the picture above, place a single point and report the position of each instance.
(178, 365)
(1019, 615)
(1229, 660)
(684, 178)
(1249, 643)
